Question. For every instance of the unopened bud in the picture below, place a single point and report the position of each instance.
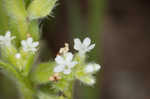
(40, 8)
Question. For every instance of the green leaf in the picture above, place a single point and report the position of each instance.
(42, 73)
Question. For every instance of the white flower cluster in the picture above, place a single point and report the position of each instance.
(6, 40)
(18, 55)
(27, 45)
(65, 61)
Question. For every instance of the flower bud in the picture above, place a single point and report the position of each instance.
(15, 10)
(91, 68)
(89, 80)
(40, 8)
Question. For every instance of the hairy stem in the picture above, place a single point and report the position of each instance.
(24, 84)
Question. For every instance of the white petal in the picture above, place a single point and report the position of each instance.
(77, 44)
(67, 71)
(68, 56)
(59, 68)
(89, 68)
(87, 41)
(91, 81)
(59, 60)
(18, 55)
(91, 47)
(6, 39)
(97, 67)
(13, 37)
(23, 43)
(8, 34)
(33, 49)
(29, 40)
(29, 45)
(35, 44)
(1, 37)
(72, 64)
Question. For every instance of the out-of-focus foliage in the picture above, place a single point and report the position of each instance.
(3, 19)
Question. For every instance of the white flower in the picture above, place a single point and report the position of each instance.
(91, 81)
(90, 68)
(83, 47)
(6, 40)
(18, 55)
(64, 63)
(29, 45)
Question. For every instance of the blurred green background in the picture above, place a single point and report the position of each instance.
(70, 19)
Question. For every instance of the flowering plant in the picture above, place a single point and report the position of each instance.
(19, 49)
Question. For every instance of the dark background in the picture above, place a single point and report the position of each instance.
(126, 50)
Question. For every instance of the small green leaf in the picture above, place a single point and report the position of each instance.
(42, 73)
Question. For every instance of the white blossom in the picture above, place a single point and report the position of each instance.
(92, 67)
(91, 81)
(64, 63)
(18, 55)
(83, 47)
(28, 45)
(6, 40)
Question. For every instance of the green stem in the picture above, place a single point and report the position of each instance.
(26, 89)
(24, 84)
(69, 92)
